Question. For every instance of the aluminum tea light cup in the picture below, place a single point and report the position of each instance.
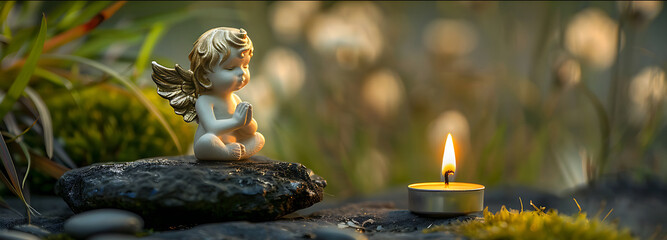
(433, 199)
(446, 199)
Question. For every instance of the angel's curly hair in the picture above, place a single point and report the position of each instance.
(214, 47)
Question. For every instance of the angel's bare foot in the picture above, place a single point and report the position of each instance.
(236, 150)
(211, 147)
(253, 144)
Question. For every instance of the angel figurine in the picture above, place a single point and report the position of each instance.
(218, 67)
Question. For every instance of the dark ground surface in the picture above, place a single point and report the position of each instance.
(640, 207)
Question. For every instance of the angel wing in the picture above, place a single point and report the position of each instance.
(177, 86)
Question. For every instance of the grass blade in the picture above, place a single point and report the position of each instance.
(147, 48)
(24, 148)
(70, 14)
(18, 136)
(58, 150)
(129, 85)
(45, 119)
(85, 13)
(82, 29)
(8, 164)
(12, 126)
(21, 81)
(100, 40)
(49, 167)
(3, 17)
(60, 81)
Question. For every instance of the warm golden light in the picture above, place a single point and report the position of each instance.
(449, 158)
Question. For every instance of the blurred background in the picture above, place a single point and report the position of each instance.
(550, 95)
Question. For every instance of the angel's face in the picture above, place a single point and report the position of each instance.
(232, 74)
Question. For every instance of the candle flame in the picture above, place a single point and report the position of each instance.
(449, 158)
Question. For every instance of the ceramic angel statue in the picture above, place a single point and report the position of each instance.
(218, 67)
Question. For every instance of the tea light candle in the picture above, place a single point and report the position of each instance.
(446, 199)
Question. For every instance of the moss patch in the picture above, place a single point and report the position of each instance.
(515, 224)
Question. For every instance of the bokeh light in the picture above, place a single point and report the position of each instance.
(592, 36)
(285, 69)
(568, 72)
(288, 18)
(350, 32)
(647, 90)
(449, 37)
(383, 92)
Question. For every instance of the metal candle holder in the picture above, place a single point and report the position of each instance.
(435, 199)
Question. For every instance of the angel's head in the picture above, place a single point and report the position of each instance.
(219, 60)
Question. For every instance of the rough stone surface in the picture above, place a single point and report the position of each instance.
(103, 221)
(181, 190)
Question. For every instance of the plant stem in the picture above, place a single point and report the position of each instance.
(603, 118)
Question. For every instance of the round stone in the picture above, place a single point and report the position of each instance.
(103, 221)
(16, 235)
(32, 229)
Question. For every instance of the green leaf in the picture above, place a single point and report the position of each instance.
(147, 48)
(100, 39)
(11, 179)
(71, 14)
(9, 121)
(20, 40)
(3, 17)
(45, 119)
(86, 14)
(12, 126)
(48, 167)
(24, 148)
(60, 81)
(23, 78)
(129, 85)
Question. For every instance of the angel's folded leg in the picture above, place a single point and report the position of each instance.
(210, 147)
(252, 145)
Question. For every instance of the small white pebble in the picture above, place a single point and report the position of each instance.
(379, 228)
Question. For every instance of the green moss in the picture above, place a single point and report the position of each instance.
(514, 224)
(110, 125)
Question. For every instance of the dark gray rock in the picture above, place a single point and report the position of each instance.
(32, 229)
(171, 191)
(16, 235)
(102, 221)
